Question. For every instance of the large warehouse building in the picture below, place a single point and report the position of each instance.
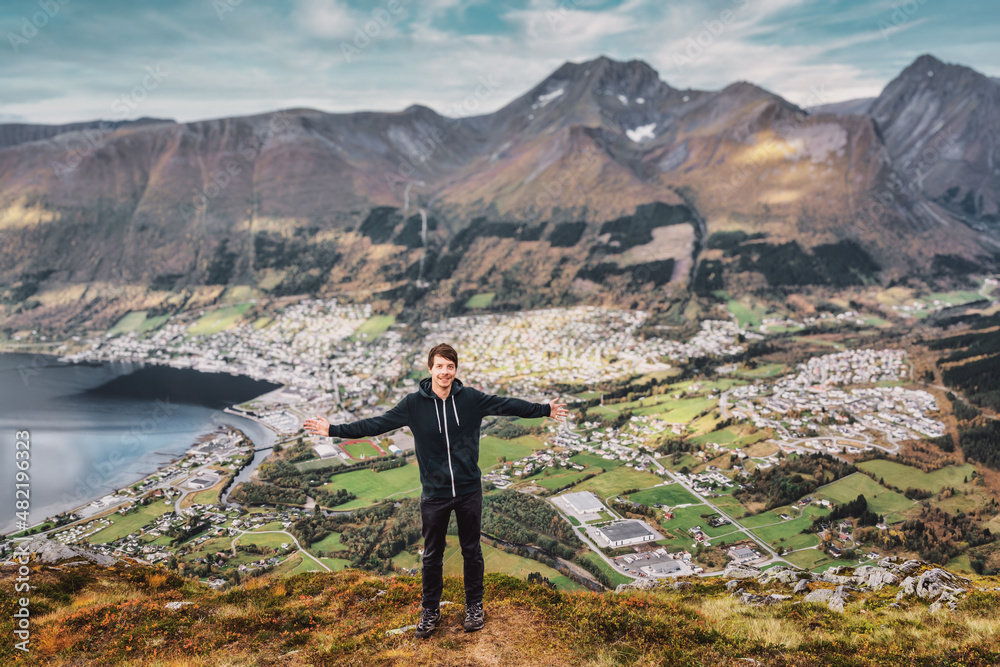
(584, 502)
(624, 533)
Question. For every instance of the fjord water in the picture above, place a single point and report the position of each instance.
(98, 427)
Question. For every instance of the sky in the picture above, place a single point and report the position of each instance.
(74, 60)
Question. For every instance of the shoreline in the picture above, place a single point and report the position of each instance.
(158, 466)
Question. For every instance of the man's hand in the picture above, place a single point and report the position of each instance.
(558, 410)
(317, 426)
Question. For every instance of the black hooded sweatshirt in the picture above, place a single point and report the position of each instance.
(445, 433)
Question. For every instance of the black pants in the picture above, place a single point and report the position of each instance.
(434, 516)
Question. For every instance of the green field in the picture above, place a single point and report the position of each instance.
(559, 480)
(615, 576)
(319, 464)
(615, 481)
(271, 540)
(130, 523)
(336, 564)
(480, 300)
(903, 476)
(130, 322)
(368, 486)
(595, 461)
(788, 534)
(669, 494)
(373, 327)
(238, 294)
(491, 449)
(686, 410)
(880, 499)
(361, 450)
(329, 543)
(762, 371)
(730, 506)
(747, 315)
(721, 437)
(495, 560)
(218, 320)
(689, 517)
(807, 559)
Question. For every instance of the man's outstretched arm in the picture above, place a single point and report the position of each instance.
(517, 407)
(363, 428)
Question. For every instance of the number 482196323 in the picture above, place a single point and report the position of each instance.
(22, 460)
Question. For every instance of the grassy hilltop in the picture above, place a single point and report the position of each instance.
(93, 615)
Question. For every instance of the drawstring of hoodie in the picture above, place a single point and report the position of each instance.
(455, 409)
(436, 414)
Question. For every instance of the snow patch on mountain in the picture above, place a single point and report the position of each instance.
(641, 133)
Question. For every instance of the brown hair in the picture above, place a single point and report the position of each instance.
(442, 350)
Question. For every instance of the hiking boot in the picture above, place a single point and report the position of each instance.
(474, 617)
(429, 619)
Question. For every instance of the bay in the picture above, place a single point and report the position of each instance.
(97, 427)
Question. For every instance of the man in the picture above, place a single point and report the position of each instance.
(445, 417)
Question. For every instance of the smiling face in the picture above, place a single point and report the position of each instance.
(442, 373)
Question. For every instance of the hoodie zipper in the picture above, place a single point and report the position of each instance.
(444, 410)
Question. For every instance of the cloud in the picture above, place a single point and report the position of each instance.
(267, 56)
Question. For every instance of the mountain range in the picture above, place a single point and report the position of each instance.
(599, 183)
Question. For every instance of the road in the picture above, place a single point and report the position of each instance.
(232, 544)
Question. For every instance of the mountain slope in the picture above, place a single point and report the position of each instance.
(131, 615)
(304, 201)
(941, 124)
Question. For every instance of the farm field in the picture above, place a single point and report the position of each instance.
(319, 464)
(336, 564)
(559, 480)
(272, 540)
(807, 559)
(685, 410)
(367, 485)
(669, 494)
(129, 322)
(617, 480)
(218, 320)
(730, 506)
(720, 437)
(788, 534)
(689, 517)
(491, 449)
(593, 460)
(373, 327)
(615, 576)
(903, 476)
(130, 523)
(880, 499)
(748, 315)
(480, 300)
(497, 560)
(329, 543)
(762, 371)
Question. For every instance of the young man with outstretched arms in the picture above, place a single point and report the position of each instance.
(444, 417)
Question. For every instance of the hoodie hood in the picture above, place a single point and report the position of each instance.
(427, 391)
